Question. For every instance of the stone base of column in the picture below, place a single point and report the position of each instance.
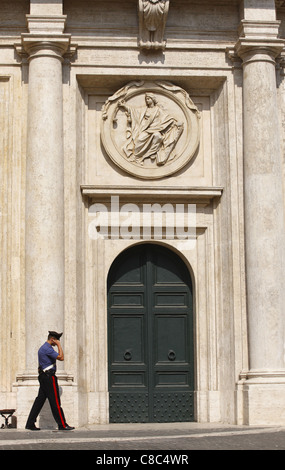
(98, 408)
(26, 390)
(261, 398)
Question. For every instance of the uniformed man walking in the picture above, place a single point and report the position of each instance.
(48, 383)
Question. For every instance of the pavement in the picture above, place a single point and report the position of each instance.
(146, 443)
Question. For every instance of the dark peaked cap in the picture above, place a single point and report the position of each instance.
(55, 334)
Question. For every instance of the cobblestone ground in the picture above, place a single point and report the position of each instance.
(147, 440)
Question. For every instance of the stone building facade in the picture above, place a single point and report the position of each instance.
(112, 112)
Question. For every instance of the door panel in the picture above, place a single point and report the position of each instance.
(150, 335)
(127, 339)
(169, 339)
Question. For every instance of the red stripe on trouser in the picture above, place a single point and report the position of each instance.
(57, 402)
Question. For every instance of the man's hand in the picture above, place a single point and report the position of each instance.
(60, 356)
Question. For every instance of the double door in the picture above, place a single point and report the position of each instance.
(150, 337)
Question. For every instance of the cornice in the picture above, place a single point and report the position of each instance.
(195, 195)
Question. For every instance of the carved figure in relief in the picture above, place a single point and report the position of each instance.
(151, 132)
(150, 129)
(152, 20)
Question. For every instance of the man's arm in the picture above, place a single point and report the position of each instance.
(60, 356)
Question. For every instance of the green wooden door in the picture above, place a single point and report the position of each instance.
(150, 337)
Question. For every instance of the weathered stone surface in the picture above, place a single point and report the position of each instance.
(62, 68)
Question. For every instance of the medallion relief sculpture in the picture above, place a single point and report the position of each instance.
(151, 133)
(150, 129)
(152, 21)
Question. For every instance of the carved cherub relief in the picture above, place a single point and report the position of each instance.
(152, 21)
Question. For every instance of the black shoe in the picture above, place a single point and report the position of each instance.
(32, 428)
(67, 428)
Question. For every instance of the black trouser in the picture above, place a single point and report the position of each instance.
(48, 390)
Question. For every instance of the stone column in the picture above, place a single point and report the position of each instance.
(44, 231)
(264, 226)
(45, 46)
(44, 193)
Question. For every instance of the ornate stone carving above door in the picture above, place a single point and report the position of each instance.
(150, 129)
(152, 21)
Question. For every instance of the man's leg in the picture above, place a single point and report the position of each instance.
(52, 391)
(36, 408)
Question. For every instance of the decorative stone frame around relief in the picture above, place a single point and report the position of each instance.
(117, 128)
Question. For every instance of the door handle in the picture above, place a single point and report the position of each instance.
(171, 355)
(128, 355)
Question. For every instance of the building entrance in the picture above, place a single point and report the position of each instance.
(150, 337)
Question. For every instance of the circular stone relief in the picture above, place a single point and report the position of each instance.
(150, 129)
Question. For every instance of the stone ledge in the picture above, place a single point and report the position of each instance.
(28, 377)
(191, 194)
(262, 377)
